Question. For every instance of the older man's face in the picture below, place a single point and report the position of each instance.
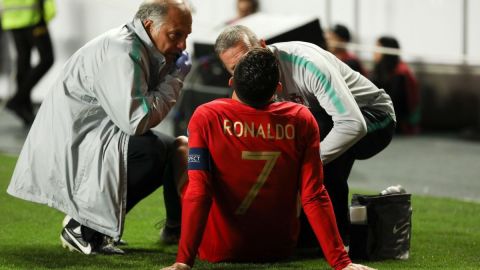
(231, 56)
(171, 37)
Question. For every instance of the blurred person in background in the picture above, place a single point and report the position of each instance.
(90, 152)
(245, 8)
(337, 38)
(394, 75)
(27, 21)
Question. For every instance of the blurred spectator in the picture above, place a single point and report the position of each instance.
(393, 75)
(210, 68)
(337, 37)
(27, 20)
(244, 8)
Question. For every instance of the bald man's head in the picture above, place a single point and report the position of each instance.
(157, 10)
(168, 24)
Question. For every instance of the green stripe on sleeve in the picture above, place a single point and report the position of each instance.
(137, 75)
(327, 85)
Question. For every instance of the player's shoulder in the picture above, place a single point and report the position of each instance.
(217, 103)
(298, 114)
(205, 112)
(215, 106)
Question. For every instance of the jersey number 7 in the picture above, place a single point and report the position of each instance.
(271, 159)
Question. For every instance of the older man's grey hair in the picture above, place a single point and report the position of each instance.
(231, 35)
(153, 10)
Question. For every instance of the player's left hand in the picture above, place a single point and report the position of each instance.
(354, 266)
(177, 266)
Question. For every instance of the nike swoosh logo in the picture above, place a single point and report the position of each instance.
(395, 229)
(85, 247)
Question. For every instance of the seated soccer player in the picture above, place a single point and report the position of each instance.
(249, 160)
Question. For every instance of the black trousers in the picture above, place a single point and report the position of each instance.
(27, 75)
(150, 165)
(336, 172)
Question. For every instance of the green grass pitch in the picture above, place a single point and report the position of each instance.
(445, 235)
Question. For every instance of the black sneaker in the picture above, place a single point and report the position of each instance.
(109, 247)
(120, 242)
(72, 239)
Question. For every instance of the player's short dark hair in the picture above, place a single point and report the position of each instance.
(256, 77)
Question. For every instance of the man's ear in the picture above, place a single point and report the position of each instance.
(230, 82)
(148, 24)
(263, 43)
(279, 87)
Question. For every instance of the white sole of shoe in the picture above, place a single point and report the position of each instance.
(68, 246)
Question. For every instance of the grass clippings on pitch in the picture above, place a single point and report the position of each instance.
(445, 235)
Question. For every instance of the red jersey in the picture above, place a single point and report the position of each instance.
(247, 168)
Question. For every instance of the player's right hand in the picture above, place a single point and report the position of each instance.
(177, 266)
(354, 266)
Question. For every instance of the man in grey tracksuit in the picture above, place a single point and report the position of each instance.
(90, 152)
(356, 119)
